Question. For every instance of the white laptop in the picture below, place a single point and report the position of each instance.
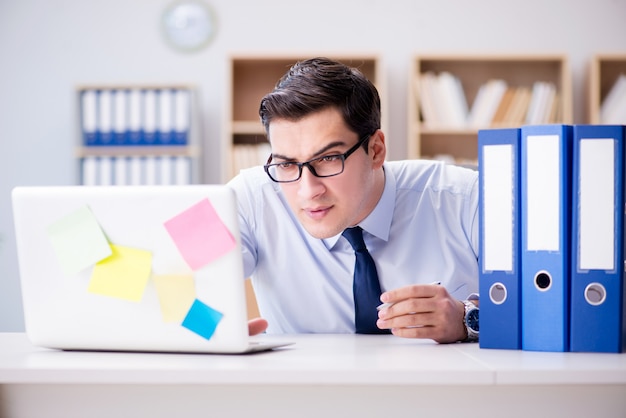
(132, 268)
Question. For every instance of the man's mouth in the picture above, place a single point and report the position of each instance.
(318, 212)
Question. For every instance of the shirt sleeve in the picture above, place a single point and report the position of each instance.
(245, 208)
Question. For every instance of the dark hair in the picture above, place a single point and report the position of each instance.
(319, 83)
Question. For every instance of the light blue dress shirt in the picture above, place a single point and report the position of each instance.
(423, 229)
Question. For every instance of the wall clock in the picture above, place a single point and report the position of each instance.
(188, 25)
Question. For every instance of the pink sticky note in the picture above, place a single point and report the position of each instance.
(200, 234)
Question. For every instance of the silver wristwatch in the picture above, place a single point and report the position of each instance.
(470, 321)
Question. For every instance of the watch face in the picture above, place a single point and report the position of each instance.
(188, 25)
(472, 320)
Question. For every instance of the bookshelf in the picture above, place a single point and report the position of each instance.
(250, 78)
(137, 135)
(455, 137)
(605, 71)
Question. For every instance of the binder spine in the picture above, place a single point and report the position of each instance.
(546, 163)
(597, 292)
(499, 217)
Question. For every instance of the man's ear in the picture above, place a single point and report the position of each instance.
(378, 148)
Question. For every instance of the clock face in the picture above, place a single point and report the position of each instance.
(188, 25)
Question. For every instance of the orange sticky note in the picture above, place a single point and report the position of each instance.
(200, 235)
(176, 295)
(123, 275)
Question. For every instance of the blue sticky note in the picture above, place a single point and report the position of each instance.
(202, 319)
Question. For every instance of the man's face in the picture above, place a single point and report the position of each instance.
(327, 206)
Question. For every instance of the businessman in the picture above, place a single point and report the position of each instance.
(330, 229)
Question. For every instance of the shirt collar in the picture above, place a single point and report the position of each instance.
(378, 222)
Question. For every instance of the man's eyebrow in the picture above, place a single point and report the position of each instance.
(316, 154)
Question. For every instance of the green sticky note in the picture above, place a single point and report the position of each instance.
(78, 241)
(123, 275)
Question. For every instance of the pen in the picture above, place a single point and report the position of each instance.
(388, 304)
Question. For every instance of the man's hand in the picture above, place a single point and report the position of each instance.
(256, 326)
(423, 311)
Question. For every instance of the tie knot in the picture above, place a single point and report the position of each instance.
(355, 238)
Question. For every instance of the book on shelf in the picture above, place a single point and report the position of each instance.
(452, 100)
(442, 100)
(486, 103)
(250, 155)
(541, 103)
(425, 85)
(516, 113)
(505, 104)
(556, 114)
(613, 107)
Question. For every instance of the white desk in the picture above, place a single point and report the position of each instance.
(321, 375)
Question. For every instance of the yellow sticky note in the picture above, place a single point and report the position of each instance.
(176, 295)
(123, 275)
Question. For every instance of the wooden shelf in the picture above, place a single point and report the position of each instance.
(473, 71)
(604, 72)
(139, 151)
(253, 76)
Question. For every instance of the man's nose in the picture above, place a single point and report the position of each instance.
(309, 185)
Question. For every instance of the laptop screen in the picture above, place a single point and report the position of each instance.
(147, 268)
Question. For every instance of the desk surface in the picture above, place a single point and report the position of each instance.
(321, 375)
(313, 359)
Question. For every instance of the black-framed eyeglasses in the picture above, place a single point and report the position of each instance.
(326, 166)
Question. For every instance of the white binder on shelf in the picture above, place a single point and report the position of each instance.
(120, 116)
(105, 168)
(182, 112)
(105, 118)
(89, 115)
(89, 175)
(120, 171)
(165, 135)
(182, 171)
(135, 117)
(149, 117)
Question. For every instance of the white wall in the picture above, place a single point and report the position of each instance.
(47, 47)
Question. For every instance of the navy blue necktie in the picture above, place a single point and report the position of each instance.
(366, 287)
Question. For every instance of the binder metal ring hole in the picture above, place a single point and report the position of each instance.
(497, 293)
(595, 294)
(543, 280)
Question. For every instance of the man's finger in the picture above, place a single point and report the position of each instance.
(257, 326)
